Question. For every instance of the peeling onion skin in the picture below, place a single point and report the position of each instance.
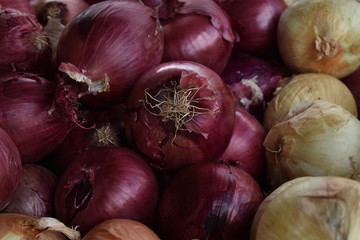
(202, 137)
(208, 201)
(104, 183)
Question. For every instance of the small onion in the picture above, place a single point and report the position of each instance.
(208, 201)
(315, 138)
(329, 33)
(35, 192)
(115, 229)
(307, 87)
(314, 208)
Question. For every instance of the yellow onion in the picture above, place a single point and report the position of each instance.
(311, 208)
(307, 87)
(316, 138)
(124, 229)
(14, 226)
(321, 36)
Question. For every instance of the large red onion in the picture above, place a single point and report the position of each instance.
(256, 23)
(199, 31)
(21, 5)
(246, 149)
(10, 169)
(208, 201)
(180, 113)
(35, 192)
(28, 115)
(107, 47)
(23, 43)
(104, 183)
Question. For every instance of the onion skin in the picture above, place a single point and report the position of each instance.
(203, 137)
(330, 45)
(10, 168)
(121, 229)
(23, 6)
(134, 36)
(35, 192)
(208, 201)
(104, 183)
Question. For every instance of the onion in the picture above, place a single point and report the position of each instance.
(104, 183)
(252, 81)
(35, 192)
(179, 113)
(329, 33)
(310, 208)
(256, 23)
(23, 42)
(198, 29)
(29, 116)
(21, 5)
(246, 149)
(307, 87)
(107, 47)
(115, 229)
(352, 81)
(24, 227)
(208, 201)
(10, 170)
(315, 138)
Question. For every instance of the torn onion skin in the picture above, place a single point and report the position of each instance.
(179, 113)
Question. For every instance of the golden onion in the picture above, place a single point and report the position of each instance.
(307, 87)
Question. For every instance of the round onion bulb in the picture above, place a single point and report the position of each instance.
(307, 87)
(316, 138)
(316, 208)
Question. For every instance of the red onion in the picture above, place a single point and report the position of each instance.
(21, 5)
(104, 183)
(256, 23)
(23, 42)
(180, 113)
(252, 81)
(208, 201)
(352, 81)
(197, 30)
(34, 194)
(107, 47)
(10, 168)
(246, 148)
(28, 115)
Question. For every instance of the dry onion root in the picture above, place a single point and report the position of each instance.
(312, 208)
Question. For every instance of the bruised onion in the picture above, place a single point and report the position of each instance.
(104, 183)
(23, 43)
(107, 47)
(208, 201)
(329, 33)
(35, 192)
(179, 113)
(118, 228)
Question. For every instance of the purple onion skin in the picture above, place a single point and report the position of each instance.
(21, 5)
(117, 39)
(202, 138)
(35, 192)
(208, 201)
(104, 183)
(256, 24)
(26, 100)
(10, 170)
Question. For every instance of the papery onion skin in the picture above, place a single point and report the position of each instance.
(23, 43)
(35, 192)
(112, 42)
(315, 138)
(329, 44)
(10, 168)
(324, 207)
(104, 183)
(28, 115)
(208, 201)
(199, 93)
(307, 87)
(23, 6)
(120, 229)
